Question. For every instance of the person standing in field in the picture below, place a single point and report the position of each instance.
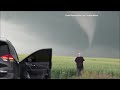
(79, 64)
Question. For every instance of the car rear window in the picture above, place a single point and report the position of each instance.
(3, 49)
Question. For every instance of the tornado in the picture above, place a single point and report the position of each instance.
(87, 21)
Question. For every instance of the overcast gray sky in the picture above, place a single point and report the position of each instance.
(93, 36)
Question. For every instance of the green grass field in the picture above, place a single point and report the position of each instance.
(94, 68)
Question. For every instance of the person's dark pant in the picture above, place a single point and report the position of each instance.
(79, 69)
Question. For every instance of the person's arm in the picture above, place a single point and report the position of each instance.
(76, 59)
(83, 59)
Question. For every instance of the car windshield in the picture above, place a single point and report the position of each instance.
(3, 48)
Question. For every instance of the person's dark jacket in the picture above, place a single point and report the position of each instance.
(79, 61)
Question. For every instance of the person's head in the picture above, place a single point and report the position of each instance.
(79, 54)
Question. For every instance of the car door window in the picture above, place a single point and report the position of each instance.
(3, 49)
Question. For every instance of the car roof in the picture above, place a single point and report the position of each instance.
(5, 40)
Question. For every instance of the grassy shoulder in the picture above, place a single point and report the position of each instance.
(64, 67)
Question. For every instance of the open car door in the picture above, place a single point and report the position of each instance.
(37, 65)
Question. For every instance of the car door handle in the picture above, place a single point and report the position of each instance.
(33, 65)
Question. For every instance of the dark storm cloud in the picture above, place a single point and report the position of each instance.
(107, 31)
(52, 27)
(64, 34)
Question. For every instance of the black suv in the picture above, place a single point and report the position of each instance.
(35, 66)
